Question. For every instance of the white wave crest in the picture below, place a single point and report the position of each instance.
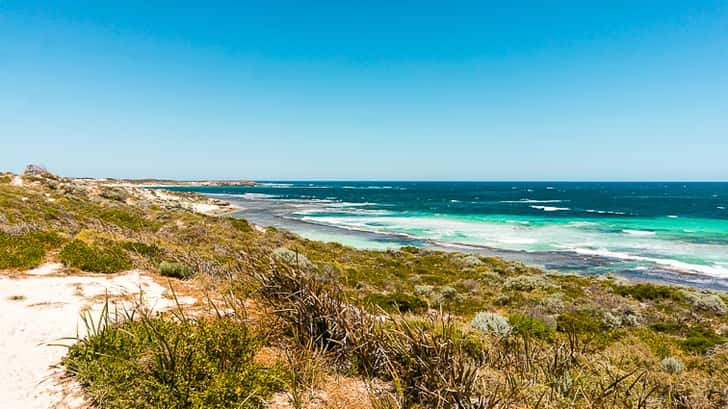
(257, 196)
(679, 266)
(533, 201)
(638, 232)
(603, 211)
(550, 208)
(278, 185)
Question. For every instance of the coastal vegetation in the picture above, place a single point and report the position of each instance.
(420, 328)
(80, 255)
(141, 361)
(25, 250)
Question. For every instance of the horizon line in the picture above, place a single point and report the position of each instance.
(432, 180)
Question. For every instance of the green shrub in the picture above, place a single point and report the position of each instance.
(25, 250)
(126, 218)
(400, 302)
(585, 329)
(409, 249)
(529, 327)
(5, 179)
(241, 225)
(175, 270)
(95, 259)
(152, 363)
(581, 321)
(666, 327)
(642, 292)
(700, 339)
(150, 251)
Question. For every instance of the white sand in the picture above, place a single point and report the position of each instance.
(205, 208)
(209, 207)
(44, 306)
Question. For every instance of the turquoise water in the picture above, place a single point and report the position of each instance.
(667, 231)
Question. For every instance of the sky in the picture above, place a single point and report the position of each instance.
(375, 90)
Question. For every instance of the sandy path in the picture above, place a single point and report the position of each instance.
(42, 306)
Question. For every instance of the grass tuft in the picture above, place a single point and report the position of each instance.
(136, 360)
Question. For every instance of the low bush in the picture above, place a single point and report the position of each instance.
(580, 321)
(529, 283)
(470, 260)
(701, 339)
(666, 327)
(293, 258)
(150, 251)
(175, 270)
(424, 290)
(706, 302)
(114, 193)
(126, 218)
(673, 365)
(241, 225)
(410, 249)
(398, 302)
(585, 329)
(448, 294)
(645, 291)
(25, 250)
(80, 255)
(150, 363)
(529, 327)
(554, 303)
(492, 323)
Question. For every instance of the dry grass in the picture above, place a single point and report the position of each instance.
(434, 361)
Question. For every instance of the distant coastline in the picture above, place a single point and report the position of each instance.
(150, 182)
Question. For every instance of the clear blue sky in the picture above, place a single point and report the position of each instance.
(366, 90)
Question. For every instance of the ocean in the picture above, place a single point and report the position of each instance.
(668, 232)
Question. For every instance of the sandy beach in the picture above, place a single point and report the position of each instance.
(41, 307)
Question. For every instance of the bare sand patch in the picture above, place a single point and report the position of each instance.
(40, 308)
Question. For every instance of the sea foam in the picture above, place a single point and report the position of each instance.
(680, 266)
(550, 208)
(638, 232)
(533, 201)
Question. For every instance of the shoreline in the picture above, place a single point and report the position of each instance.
(564, 262)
